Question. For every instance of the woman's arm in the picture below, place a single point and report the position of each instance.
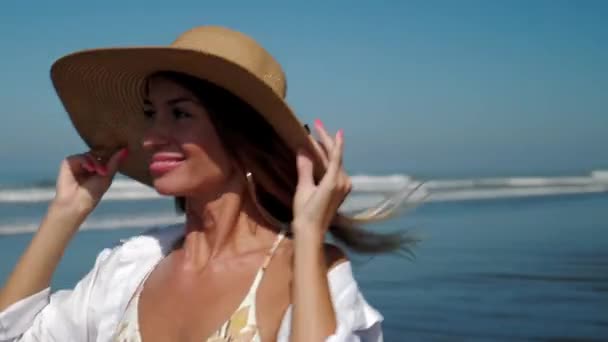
(315, 206)
(80, 185)
(36, 266)
(313, 318)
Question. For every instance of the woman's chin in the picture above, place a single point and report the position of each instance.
(166, 187)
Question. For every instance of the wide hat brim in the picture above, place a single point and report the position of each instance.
(102, 91)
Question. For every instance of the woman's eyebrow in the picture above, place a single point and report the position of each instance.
(173, 101)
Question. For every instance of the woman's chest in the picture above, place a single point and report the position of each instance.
(179, 305)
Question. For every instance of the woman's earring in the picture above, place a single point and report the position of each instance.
(267, 216)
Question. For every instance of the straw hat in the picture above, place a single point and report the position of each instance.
(102, 89)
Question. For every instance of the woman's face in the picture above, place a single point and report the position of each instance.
(186, 155)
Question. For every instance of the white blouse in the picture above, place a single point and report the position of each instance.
(92, 310)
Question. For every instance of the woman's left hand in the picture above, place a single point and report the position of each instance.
(316, 205)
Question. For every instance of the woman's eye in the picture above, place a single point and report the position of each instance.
(180, 114)
(148, 113)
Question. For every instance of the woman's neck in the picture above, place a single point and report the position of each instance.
(224, 226)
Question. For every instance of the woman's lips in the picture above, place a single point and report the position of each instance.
(163, 163)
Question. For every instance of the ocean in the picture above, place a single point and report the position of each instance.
(487, 268)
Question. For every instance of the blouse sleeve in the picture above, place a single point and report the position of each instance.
(61, 316)
(357, 321)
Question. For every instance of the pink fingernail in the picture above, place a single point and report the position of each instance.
(87, 166)
(102, 170)
(340, 133)
(124, 153)
(318, 123)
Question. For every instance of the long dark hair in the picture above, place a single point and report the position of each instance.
(255, 146)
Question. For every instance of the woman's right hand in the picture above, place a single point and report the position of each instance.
(81, 183)
(83, 180)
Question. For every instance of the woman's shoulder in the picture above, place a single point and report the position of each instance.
(120, 268)
(137, 253)
(339, 271)
(357, 319)
(334, 256)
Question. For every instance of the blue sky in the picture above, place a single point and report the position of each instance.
(430, 88)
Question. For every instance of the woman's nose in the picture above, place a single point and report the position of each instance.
(154, 138)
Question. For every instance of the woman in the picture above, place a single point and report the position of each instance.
(203, 120)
